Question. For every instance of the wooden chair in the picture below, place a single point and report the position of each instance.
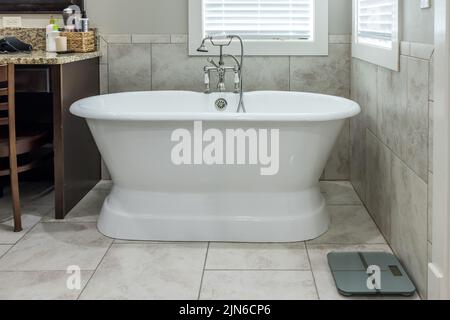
(7, 94)
(15, 142)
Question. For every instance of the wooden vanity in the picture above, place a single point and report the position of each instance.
(62, 80)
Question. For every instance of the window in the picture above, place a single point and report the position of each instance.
(375, 32)
(268, 27)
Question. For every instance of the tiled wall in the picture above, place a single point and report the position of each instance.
(161, 62)
(391, 167)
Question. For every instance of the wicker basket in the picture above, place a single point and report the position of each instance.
(80, 41)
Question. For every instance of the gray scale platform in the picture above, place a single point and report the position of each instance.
(349, 271)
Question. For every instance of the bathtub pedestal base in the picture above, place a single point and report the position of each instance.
(228, 217)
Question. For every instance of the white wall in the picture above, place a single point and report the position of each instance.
(166, 16)
(170, 16)
(418, 24)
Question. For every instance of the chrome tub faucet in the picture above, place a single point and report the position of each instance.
(221, 69)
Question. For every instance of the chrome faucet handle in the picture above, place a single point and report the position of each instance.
(207, 81)
(211, 61)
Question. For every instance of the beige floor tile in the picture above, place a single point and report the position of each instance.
(31, 215)
(39, 285)
(55, 246)
(258, 285)
(149, 272)
(257, 256)
(339, 193)
(350, 225)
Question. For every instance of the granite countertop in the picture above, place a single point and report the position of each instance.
(42, 57)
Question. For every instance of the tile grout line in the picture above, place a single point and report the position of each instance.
(93, 273)
(311, 243)
(395, 154)
(257, 270)
(203, 272)
(312, 271)
(9, 249)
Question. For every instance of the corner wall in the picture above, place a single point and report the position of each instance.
(391, 165)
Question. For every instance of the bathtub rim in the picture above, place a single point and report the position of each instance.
(352, 109)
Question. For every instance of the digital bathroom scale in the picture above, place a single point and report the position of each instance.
(352, 270)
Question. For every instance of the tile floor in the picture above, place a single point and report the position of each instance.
(33, 263)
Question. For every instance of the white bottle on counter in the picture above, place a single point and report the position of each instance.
(51, 35)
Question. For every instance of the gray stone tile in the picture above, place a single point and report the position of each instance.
(173, 69)
(266, 73)
(421, 50)
(129, 67)
(430, 207)
(431, 79)
(326, 286)
(430, 252)
(364, 92)
(405, 48)
(150, 38)
(117, 38)
(339, 193)
(409, 222)
(327, 75)
(392, 104)
(257, 256)
(149, 271)
(39, 285)
(379, 183)
(350, 225)
(178, 38)
(340, 39)
(258, 285)
(338, 166)
(403, 108)
(431, 137)
(417, 116)
(104, 79)
(55, 246)
(103, 47)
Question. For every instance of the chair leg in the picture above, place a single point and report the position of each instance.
(16, 200)
(14, 173)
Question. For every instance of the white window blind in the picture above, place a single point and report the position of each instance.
(375, 22)
(259, 19)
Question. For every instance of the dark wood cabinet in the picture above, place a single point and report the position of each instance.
(77, 160)
(44, 94)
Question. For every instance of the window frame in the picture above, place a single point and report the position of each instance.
(317, 47)
(385, 57)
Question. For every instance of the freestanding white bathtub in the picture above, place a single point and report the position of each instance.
(155, 198)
